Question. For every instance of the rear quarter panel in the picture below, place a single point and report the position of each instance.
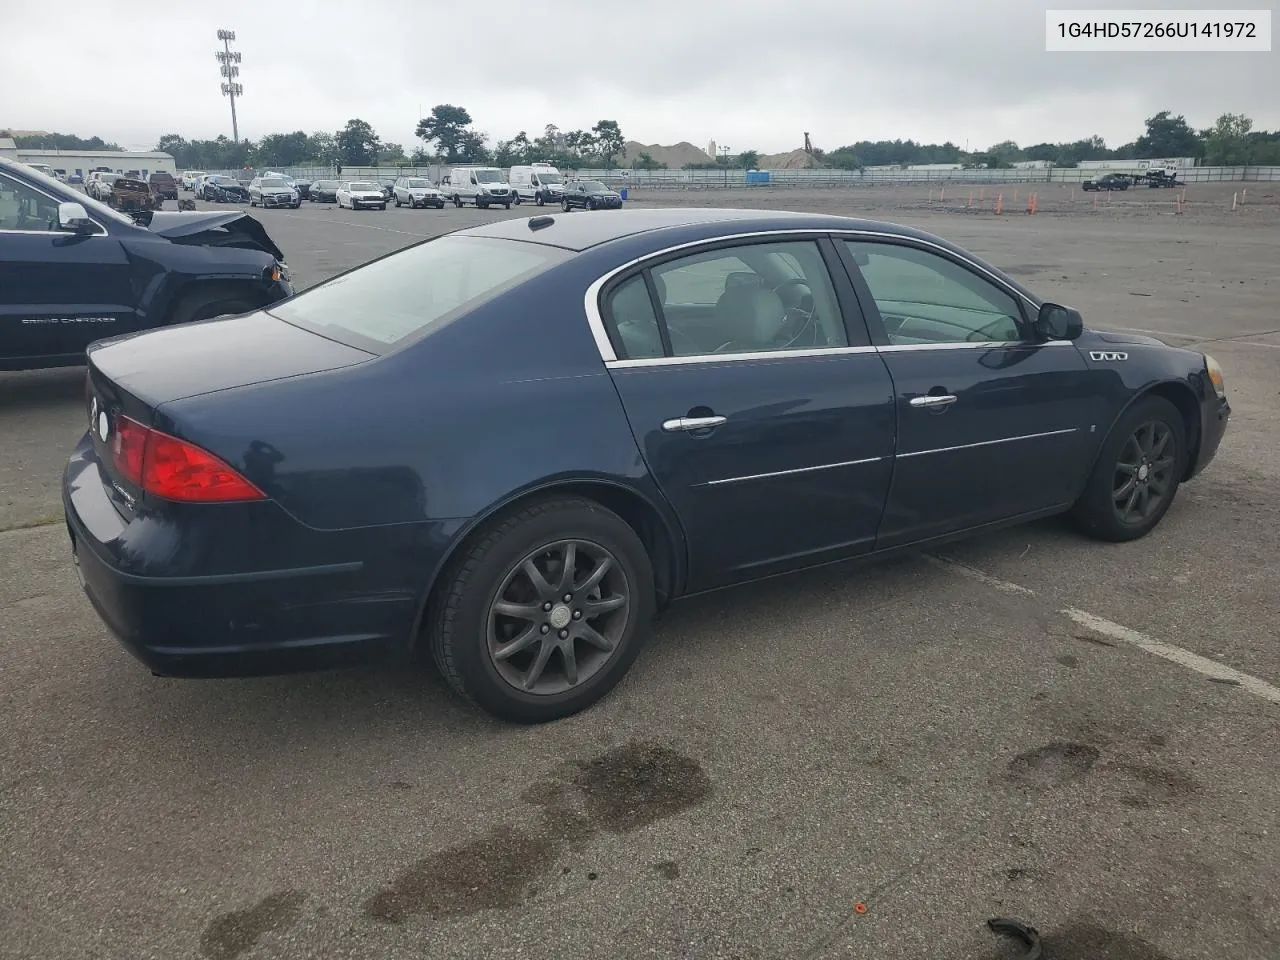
(508, 399)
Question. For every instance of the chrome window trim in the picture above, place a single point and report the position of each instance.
(787, 473)
(988, 443)
(718, 357)
(45, 233)
(595, 319)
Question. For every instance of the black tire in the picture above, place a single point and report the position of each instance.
(460, 623)
(399, 204)
(457, 200)
(564, 205)
(538, 199)
(517, 199)
(207, 304)
(507, 206)
(1098, 512)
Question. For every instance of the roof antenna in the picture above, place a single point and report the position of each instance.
(538, 223)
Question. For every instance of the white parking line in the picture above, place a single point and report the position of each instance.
(1192, 661)
(966, 571)
(1122, 634)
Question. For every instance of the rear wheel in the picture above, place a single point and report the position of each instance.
(545, 612)
(1137, 475)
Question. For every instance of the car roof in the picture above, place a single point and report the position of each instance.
(578, 232)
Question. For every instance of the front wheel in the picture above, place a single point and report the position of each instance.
(1139, 469)
(545, 612)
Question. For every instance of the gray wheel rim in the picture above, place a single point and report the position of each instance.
(1143, 476)
(558, 617)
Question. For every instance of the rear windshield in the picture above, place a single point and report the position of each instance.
(416, 291)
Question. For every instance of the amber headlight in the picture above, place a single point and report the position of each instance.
(1216, 377)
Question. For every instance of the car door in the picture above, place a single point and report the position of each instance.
(767, 424)
(993, 424)
(59, 291)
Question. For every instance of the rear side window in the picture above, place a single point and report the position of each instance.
(418, 290)
(633, 326)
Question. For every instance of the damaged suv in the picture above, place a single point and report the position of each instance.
(73, 270)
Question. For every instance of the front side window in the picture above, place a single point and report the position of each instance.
(416, 291)
(22, 208)
(758, 297)
(926, 298)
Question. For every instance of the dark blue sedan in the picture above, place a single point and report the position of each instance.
(510, 444)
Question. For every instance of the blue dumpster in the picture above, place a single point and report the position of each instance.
(623, 193)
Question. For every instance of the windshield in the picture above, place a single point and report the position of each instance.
(595, 186)
(549, 177)
(488, 176)
(275, 182)
(363, 185)
(224, 181)
(419, 184)
(416, 291)
(109, 177)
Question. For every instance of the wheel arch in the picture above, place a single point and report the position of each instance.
(664, 544)
(1180, 394)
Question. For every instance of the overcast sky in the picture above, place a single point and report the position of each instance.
(748, 74)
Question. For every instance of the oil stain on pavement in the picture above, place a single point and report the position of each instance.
(229, 935)
(617, 792)
(1052, 765)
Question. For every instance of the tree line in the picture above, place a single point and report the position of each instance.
(448, 135)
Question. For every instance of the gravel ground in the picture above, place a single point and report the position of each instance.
(936, 739)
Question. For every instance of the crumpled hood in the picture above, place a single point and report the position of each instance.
(215, 229)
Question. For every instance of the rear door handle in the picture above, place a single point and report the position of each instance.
(691, 423)
(933, 401)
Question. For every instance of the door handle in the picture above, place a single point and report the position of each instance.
(691, 423)
(933, 401)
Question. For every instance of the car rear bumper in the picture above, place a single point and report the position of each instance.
(229, 624)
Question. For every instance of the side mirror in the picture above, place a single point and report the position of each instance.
(1056, 322)
(74, 218)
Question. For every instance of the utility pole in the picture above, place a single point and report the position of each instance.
(230, 70)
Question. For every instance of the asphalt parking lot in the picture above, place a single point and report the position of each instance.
(866, 761)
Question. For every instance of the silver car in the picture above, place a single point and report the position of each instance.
(273, 192)
(417, 192)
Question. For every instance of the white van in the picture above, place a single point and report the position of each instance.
(483, 186)
(540, 182)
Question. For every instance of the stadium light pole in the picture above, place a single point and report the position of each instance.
(230, 69)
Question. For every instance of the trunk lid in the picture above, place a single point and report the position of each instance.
(172, 363)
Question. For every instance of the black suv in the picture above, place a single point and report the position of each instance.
(590, 195)
(72, 270)
(1112, 181)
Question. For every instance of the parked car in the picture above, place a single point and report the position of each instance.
(483, 186)
(222, 189)
(360, 195)
(73, 270)
(273, 192)
(362, 472)
(190, 178)
(388, 186)
(129, 195)
(590, 195)
(163, 185)
(304, 189)
(324, 191)
(1110, 181)
(417, 192)
(99, 185)
(540, 182)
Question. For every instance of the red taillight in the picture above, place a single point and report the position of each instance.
(174, 469)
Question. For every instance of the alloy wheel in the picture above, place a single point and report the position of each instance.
(1143, 477)
(558, 617)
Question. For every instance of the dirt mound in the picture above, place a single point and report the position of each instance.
(795, 160)
(675, 157)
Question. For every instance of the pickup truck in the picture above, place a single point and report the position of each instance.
(73, 270)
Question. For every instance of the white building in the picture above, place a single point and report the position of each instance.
(72, 162)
